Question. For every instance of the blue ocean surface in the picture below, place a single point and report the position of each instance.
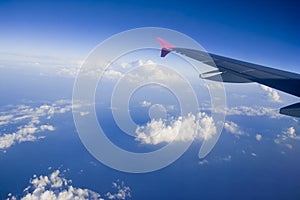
(239, 167)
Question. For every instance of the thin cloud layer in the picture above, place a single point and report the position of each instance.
(28, 122)
(254, 111)
(182, 129)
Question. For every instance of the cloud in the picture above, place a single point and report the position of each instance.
(254, 111)
(24, 134)
(233, 128)
(258, 137)
(56, 187)
(187, 128)
(152, 72)
(227, 158)
(67, 71)
(290, 132)
(251, 111)
(272, 94)
(5, 117)
(47, 62)
(112, 74)
(286, 136)
(27, 121)
(203, 162)
(216, 159)
(145, 103)
(122, 191)
(47, 128)
(289, 146)
(135, 72)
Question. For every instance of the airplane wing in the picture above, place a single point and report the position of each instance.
(236, 71)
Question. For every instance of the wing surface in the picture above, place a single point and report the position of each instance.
(237, 71)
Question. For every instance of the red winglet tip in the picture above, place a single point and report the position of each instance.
(164, 44)
(166, 47)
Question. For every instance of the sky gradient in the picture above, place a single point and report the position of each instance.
(42, 44)
(261, 32)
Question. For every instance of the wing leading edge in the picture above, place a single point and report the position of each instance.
(236, 71)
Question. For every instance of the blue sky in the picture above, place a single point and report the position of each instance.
(263, 32)
(256, 139)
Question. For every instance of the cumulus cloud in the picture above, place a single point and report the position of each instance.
(123, 191)
(290, 132)
(24, 134)
(47, 128)
(56, 187)
(136, 72)
(145, 103)
(181, 129)
(272, 94)
(27, 122)
(115, 70)
(233, 128)
(258, 137)
(286, 136)
(152, 72)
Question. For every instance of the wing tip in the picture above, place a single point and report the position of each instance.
(166, 47)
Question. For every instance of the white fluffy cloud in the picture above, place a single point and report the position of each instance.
(27, 122)
(272, 94)
(56, 187)
(233, 128)
(113, 74)
(258, 137)
(24, 134)
(136, 72)
(187, 128)
(152, 72)
(47, 128)
(286, 136)
(290, 132)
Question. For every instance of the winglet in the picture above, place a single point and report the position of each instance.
(166, 47)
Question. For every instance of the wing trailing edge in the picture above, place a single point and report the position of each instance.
(291, 110)
(237, 71)
(223, 76)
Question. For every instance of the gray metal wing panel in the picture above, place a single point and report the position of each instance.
(282, 80)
